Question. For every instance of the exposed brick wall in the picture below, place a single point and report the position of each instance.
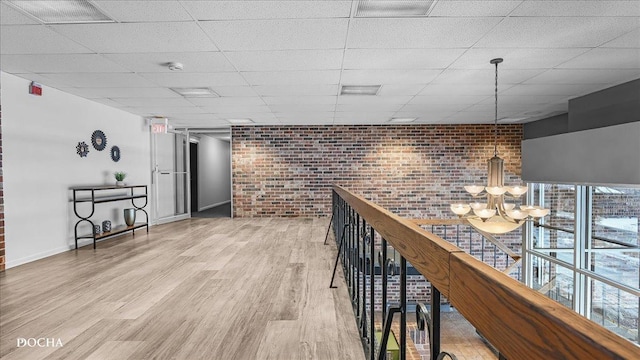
(2, 256)
(412, 170)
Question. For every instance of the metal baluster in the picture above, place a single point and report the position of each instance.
(434, 330)
(383, 264)
(403, 308)
(358, 265)
(372, 316)
(363, 322)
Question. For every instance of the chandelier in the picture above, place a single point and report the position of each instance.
(496, 215)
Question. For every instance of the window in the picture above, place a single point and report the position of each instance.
(586, 253)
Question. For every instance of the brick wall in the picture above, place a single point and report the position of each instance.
(412, 170)
(2, 257)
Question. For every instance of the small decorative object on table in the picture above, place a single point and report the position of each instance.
(120, 175)
(97, 230)
(130, 216)
(106, 226)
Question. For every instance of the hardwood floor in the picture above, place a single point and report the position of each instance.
(195, 289)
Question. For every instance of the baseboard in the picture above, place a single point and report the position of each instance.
(56, 251)
(34, 257)
(213, 205)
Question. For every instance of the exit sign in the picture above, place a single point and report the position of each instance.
(159, 128)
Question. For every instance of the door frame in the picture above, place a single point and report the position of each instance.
(155, 173)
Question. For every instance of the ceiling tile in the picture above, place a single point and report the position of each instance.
(197, 117)
(283, 100)
(11, 16)
(234, 90)
(93, 80)
(485, 76)
(308, 108)
(577, 8)
(236, 10)
(544, 89)
(142, 102)
(227, 101)
(167, 111)
(122, 92)
(377, 77)
(373, 100)
(107, 102)
(418, 32)
(628, 40)
(363, 116)
(400, 58)
(236, 109)
(203, 61)
(507, 100)
(277, 34)
(400, 89)
(425, 116)
(539, 58)
(368, 107)
(292, 77)
(302, 121)
(581, 76)
(138, 37)
(41, 40)
(446, 99)
(144, 11)
(177, 79)
(296, 90)
(423, 108)
(560, 32)
(58, 63)
(605, 59)
(286, 60)
(372, 120)
(473, 8)
(456, 89)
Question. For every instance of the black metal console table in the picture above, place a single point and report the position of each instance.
(104, 194)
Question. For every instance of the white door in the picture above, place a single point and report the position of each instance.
(171, 192)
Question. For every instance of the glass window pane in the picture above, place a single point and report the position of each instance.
(615, 309)
(615, 213)
(553, 280)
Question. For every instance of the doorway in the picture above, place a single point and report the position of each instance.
(170, 159)
(213, 173)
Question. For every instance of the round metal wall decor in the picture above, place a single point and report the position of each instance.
(98, 140)
(82, 149)
(115, 153)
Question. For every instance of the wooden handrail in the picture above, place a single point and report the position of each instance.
(520, 322)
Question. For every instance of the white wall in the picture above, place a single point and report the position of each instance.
(214, 172)
(39, 137)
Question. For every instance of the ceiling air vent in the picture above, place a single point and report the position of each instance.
(61, 11)
(360, 89)
(393, 8)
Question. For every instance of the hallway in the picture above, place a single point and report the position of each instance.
(195, 289)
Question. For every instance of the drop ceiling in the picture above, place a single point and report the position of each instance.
(283, 62)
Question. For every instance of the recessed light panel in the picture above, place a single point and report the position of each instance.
(360, 89)
(389, 9)
(196, 92)
(61, 11)
(240, 121)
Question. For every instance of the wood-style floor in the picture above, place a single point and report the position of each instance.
(195, 289)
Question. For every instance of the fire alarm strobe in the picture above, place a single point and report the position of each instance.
(35, 89)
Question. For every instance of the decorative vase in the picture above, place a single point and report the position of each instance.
(106, 226)
(97, 230)
(129, 216)
(119, 183)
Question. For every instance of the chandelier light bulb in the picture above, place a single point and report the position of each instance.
(474, 189)
(517, 214)
(484, 213)
(478, 206)
(538, 213)
(496, 190)
(460, 209)
(517, 190)
(508, 206)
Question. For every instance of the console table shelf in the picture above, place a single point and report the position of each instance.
(103, 194)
